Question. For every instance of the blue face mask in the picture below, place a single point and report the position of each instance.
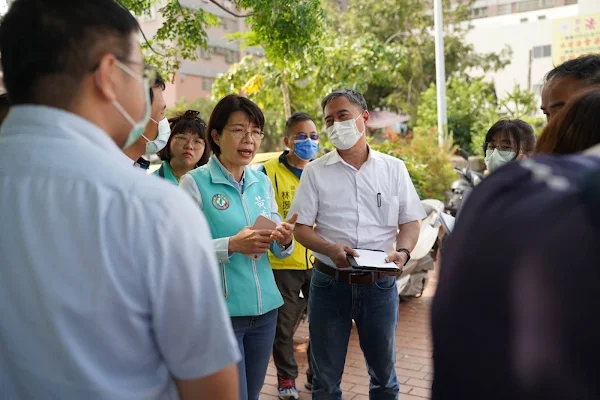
(306, 149)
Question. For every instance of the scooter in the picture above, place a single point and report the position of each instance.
(414, 277)
(461, 186)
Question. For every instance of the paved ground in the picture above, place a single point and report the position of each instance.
(413, 349)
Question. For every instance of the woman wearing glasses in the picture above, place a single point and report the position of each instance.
(186, 148)
(233, 196)
(508, 140)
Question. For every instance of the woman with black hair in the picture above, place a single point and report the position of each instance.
(233, 196)
(186, 147)
(508, 140)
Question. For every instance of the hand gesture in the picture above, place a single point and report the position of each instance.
(284, 234)
(339, 253)
(250, 241)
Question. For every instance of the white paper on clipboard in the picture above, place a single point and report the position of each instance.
(372, 259)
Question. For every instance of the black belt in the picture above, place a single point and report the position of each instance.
(357, 277)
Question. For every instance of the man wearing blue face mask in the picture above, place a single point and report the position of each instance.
(292, 274)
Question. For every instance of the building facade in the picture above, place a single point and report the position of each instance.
(536, 31)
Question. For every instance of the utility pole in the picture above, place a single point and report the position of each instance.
(440, 71)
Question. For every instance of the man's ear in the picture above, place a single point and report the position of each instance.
(105, 77)
(286, 141)
(366, 115)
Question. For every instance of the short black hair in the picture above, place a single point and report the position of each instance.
(49, 47)
(159, 83)
(352, 95)
(521, 132)
(223, 110)
(4, 106)
(294, 119)
(584, 68)
(188, 122)
(4, 100)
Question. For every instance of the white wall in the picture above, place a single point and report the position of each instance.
(494, 33)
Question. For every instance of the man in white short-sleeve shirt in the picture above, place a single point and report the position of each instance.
(109, 287)
(354, 198)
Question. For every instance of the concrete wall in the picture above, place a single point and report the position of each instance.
(522, 32)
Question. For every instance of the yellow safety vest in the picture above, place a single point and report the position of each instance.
(285, 183)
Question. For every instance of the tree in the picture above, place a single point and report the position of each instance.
(183, 32)
(286, 30)
(469, 102)
(518, 104)
(410, 24)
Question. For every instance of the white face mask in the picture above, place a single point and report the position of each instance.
(494, 159)
(164, 132)
(137, 128)
(343, 135)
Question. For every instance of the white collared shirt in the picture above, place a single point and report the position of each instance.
(109, 285)
(357, 208)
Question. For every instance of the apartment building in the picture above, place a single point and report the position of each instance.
(541, 34)
(194, 79)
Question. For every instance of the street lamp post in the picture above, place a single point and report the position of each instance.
(440, 70)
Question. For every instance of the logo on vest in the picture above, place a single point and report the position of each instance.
(220, 202)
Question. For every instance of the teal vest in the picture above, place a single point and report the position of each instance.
(166, 173)
(249, 286)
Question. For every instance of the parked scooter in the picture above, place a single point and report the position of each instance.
(414, 277)
(461, 186)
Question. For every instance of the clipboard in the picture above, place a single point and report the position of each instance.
(372, 260)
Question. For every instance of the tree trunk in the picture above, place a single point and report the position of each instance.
(285, 91)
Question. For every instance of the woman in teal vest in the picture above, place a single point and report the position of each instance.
(232, 196)
(186, 148)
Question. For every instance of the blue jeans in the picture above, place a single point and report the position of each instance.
(332, 306)
(255, 336)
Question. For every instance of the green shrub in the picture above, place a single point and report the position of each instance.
(429, 166)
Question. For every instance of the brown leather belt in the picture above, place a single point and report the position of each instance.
(360, 278)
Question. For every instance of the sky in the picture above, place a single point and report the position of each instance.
(3, 6)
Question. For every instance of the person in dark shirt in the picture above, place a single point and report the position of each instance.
(4, 106)
(516, 309)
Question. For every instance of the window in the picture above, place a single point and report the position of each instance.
(567, 2)
(528, 5)
(523, 20)
(205, 54)
(206, 84)
(230, 57)
(479, 12)
(541, 17)
(228, 24)
(542, 51)
(547, 3)
(504, 9)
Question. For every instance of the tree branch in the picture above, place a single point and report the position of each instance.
(216, 3)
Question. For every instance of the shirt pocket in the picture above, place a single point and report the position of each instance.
(388, 214)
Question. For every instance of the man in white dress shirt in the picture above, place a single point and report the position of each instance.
(359, 199)
(108, 281)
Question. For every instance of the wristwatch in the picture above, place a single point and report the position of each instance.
(405, 251)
